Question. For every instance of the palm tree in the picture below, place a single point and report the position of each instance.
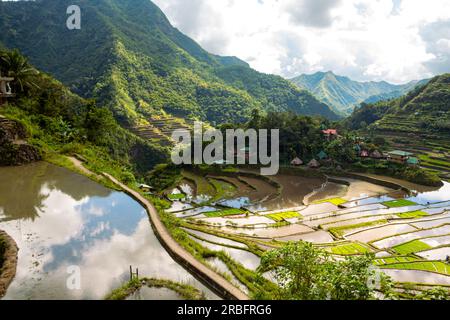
(18, 67)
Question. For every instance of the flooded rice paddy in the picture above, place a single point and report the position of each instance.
(362, 211)
(65, 223)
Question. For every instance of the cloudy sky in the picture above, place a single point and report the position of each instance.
(393, 40)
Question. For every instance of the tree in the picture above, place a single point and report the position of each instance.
(99, 124)
(342, 150)
(18, 67)
(305, 272)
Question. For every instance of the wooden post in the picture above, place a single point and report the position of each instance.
(131, 273)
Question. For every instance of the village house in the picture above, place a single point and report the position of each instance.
(330, 134)
(399, 156)
(413, 162)
(297, 162)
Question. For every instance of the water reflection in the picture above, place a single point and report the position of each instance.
(76, 222)
(439, 195)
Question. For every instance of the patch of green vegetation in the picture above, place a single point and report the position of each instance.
(340, 231)
(394, 259)
(283, 216)
(176, 196)
(224, 213)
(186, 291)
(203, 186)
(426, 159)
(431, 266)
(399, 203)
(163, 177)
(223, 189)
(349, 249)
(311, 273)
(411, 247)
(335, 201)
(412, 214)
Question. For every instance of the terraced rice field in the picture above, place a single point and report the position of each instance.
(283, 216)
(410, 236)
(431, 266)
(224, 213)
(349, 249)
(335, 201)
(399, 203)
(411, 247)
(412, 214)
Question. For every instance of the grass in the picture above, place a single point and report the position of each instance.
(399, 203)
(335, 201)
(426, 159)
(224, 213)
(431, 266)
(187, 292)
(411, 247)
(283, 216)
(203, 186)
(392, 260)
(223, 189)
(412, 214)
(340, 231)
(349, 249)
(176, 196)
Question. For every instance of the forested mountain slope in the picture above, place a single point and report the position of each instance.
(129, 57)
(344, 94)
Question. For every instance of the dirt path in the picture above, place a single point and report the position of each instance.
(206, 275)
(79, 165)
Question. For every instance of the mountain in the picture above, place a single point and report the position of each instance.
(130, 58)
(424, 110)
(343, 94)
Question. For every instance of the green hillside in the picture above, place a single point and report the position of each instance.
(59, 123)
(418, 122)
(425, 109)
(343, 94)
(129, 57)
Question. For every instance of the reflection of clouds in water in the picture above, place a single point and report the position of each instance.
(101, 227)
(97, 211)
(61, 219)
(442, 194)
(106, 262)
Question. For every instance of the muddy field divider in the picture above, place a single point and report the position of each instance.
(8, 269)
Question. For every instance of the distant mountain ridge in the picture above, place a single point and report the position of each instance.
(424, 110)
(343, 94)
(130, 58)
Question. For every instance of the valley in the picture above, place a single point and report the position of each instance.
(95, 206)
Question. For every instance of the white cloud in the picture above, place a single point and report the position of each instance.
(363, 39)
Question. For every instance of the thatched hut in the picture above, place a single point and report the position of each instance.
(297, 162)
(376, 155)
(314, 164)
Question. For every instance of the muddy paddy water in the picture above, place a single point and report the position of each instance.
(62, 220)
